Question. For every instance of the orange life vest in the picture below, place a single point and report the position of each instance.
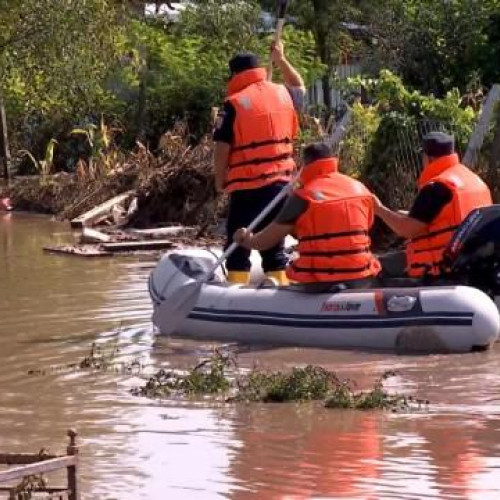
(264, 129)
(425, 253)
(334, 244)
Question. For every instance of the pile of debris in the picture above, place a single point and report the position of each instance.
(142, 188)
(111, 240)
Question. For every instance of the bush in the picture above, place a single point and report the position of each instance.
(385, 139)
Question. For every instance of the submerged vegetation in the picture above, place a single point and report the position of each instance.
(102, 357)
(218, 376)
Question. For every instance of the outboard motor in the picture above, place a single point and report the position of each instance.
(472, 256)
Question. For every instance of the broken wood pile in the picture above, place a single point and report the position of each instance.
(142, 188)
(181, 189)
(173, 184)
(110, 241)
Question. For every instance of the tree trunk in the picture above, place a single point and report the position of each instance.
(327, 93)
(141, 107)
(4, 141)
(494, 163)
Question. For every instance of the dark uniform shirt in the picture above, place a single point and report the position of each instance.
(430, 201)
(293, 208)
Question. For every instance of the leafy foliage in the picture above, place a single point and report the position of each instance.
(54, 54)
(44, 167)
(436, 45)
(386, 138)
(184, 68)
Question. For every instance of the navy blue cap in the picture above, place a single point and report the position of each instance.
(316, 151)
(243, 61)
(438, 144)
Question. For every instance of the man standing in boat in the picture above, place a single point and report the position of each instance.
(253, 157)
(331, 215)
(448, 192)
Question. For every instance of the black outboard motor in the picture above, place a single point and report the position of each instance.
(472, 256)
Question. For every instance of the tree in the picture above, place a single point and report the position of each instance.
(54, 55)
(183, 67)
(439, 44)
(328, 21)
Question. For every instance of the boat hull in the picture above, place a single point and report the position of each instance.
(425, 319)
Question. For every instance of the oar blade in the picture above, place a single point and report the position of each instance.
(172, 312)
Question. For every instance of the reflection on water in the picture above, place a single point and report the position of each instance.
(51, 310)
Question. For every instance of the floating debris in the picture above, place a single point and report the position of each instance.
(218, 376)
(102, 357)
(301, 384)
(207, 378)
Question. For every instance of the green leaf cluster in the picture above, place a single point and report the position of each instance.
(184, 68)
(436, 45)
(384, 140)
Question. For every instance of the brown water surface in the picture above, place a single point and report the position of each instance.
(53, 307)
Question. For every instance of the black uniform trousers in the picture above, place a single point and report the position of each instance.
(244, 207)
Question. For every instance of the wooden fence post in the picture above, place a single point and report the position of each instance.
(72, 449)
(4, 140)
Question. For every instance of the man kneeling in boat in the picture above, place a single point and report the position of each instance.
(448, 192)
(330, 214)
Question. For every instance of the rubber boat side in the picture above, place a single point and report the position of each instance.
(432, 319)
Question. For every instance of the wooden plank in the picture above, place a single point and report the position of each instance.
(78, 251)
(90, 235)
(128, 246)
(88, 218)
(161, 232)
(50, 489)
(37, 468)
(22, 458)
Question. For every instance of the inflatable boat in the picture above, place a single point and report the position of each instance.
(446, 317)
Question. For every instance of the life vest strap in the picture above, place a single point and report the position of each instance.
(336, 253)
(270, 142)
(330, 270)
(432, 234)
(278, 173)
(438, 248)
(261, 161)
(419, 265)
(328, 236)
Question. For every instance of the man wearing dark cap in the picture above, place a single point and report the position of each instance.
(253, 157)
(331, 215)
(447, 192)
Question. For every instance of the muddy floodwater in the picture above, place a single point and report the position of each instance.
(52, 308)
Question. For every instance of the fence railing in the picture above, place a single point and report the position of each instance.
(28, 467)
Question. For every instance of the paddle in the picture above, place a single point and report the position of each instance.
(282, 7)
(178, 307)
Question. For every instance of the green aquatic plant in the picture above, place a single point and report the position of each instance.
(208, 377)
(217, 375)
(301, 384)
(102, 357)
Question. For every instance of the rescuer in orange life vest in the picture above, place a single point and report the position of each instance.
(253, 157)
(447, 192)
(330, 214)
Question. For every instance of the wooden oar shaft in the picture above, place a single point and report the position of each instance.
(282, 6)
